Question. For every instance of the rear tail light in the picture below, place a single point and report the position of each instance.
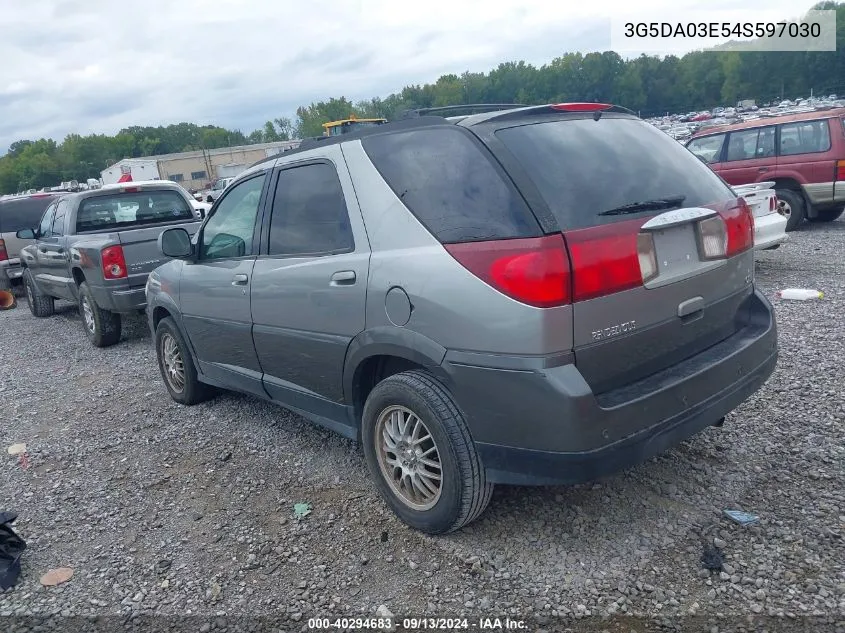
(840, 170)
(773, 203)
(3, 254)
(114, 263)
(534, 271)
(606, 259)
(712, 238)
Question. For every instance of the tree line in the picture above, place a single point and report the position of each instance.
(649, 85)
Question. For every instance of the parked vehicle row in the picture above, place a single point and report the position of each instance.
(803, 154)
(467, 298)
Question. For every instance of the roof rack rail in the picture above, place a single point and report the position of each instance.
(476, 108)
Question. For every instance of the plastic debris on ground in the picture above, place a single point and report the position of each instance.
(711, 558)
(301, 509)
(743, 518)
(799, 294)
(16, 449)
(11, 549)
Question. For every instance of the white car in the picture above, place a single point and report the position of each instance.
(211, 194)
(769, 219)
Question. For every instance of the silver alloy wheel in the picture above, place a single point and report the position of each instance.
(29, 298)
(408, 457)
(88, 316)
(785, 208)
(174, 368)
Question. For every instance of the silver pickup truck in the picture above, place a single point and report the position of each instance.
(97, 248)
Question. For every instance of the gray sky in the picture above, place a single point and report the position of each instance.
(95, 66)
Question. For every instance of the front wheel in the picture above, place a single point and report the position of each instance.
(420, 453)
(101, 326)
(40, 305)
(177, 367)
(793, 207)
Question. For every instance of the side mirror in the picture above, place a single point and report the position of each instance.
(25, 234)
(175, 243)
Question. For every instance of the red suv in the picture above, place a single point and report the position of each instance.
(804, 154)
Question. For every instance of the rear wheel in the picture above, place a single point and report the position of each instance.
(177, 367)
(40, 305)
(793, 207)
(101, 326)
(829, 215)
(420, 454)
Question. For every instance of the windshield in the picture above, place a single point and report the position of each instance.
(583, 167)
(125, 210)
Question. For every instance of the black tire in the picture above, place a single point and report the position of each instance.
(464, 491)
(40, 305)
(828, 215)
(796, 204)
(101, 326)
(192, 391)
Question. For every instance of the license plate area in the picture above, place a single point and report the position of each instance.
(677, 255)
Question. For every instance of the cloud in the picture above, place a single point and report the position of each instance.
(85, 66)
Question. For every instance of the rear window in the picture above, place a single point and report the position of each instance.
(804, 137)
(123, 210)
(451, 185)
(583, 167)
(22, 213)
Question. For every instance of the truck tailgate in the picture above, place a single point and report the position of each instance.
(140, 249)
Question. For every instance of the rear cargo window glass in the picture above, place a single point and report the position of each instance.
(22, 213)
(708, 147)
(449, 183)
(804, 137)
(584, 167)
(125, 210)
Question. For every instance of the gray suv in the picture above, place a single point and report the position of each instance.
(541, 295)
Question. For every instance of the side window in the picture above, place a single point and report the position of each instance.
(450, 184)
(228, 232)
(766, 142)
(708, 147)
(309, 213)
(58, 228)
(742, 144)
(804, 137)
(46, 221)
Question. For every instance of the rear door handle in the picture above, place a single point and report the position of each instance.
(343, 278)
(240, 280)
(762, 169)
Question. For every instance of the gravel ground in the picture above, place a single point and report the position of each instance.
(162, 509)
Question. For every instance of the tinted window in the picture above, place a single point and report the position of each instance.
(22, 213)
(451, 185)
(742, 144)
(583, 167)
(309, 213)
(708, 147)
(47, 222)
(229, 230)
(58, 228)
(125, 210)
(804, 137)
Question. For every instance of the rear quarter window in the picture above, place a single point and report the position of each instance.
(451, 184)
(583, 167)
(804, 137)
(126, 210)
(22, 213)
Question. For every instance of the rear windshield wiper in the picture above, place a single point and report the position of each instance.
(646, 205)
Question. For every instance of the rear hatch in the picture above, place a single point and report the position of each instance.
(658, 246)
(137, 216)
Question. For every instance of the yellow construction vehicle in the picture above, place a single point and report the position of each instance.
(352, 124)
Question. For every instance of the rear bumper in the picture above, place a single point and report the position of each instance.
(545, 426)
(122, 300)
(10, 270)
(769, 230)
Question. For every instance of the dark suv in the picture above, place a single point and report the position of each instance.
(531, 296)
